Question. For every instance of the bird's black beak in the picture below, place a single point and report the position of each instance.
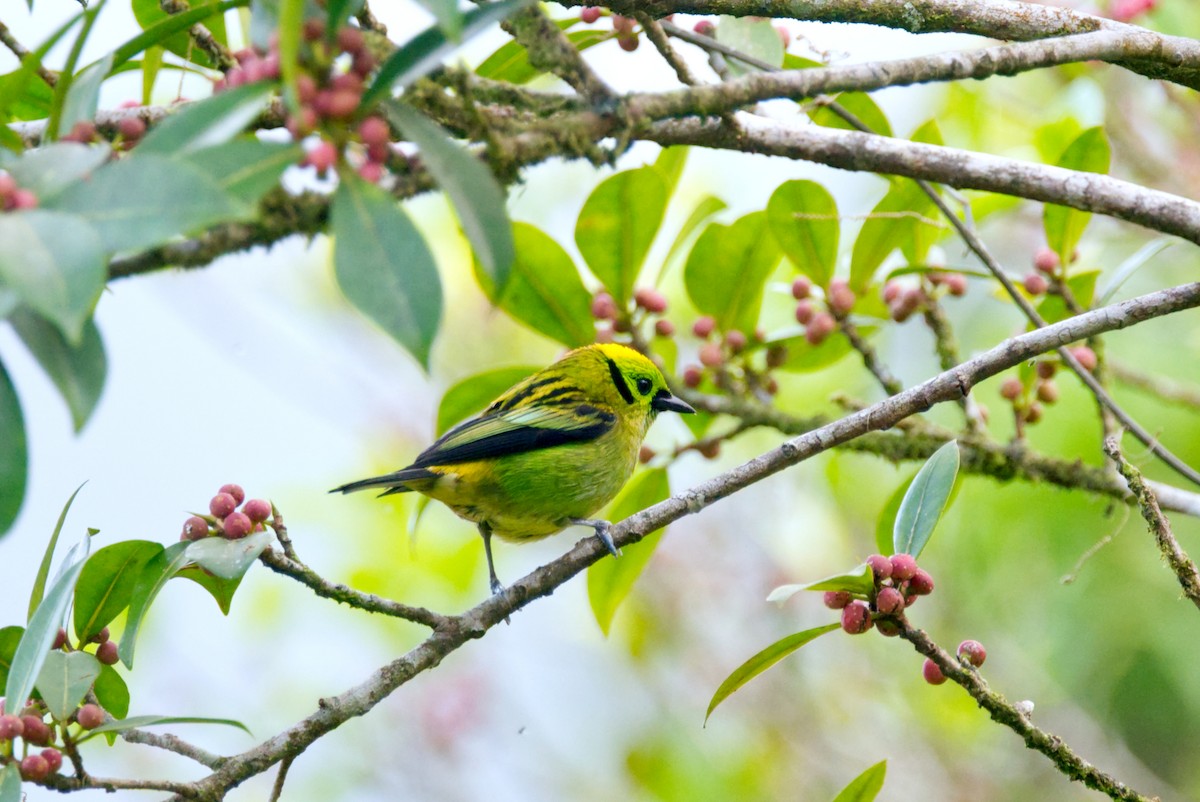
(665, 402)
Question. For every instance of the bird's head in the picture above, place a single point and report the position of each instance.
(624, 378)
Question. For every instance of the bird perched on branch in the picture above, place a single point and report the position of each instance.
(548, 453)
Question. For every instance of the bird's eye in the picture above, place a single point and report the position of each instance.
(644, 385)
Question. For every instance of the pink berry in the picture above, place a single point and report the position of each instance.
(651, 300)
(785, 35)
(53, 758)
(306, 88)
(622, 24)
(363, 63)
(257, 510)
(24, 199)
(351, 40)
(36, 731)
(856, 617)
(711, 355)
(237, 525)
(956, 284)
(314, 29)
(933, 674)
(90, 716)
(837, 599)
(1084, 356)
(11, 727)
(1011, 388)
(903, 567)
(194, 528)
(1035, 284)
(374, 131)
(222, 504)
(347, 82)
(101, 637)
(34, 768)
(1034, 413)
(692, 376)
(107, 653)
(236, 491)
(703, 327)
(589, 14)
(322, 156)
(133, 128)
(819, 328)
(892, 291)
(804, 312)
(628, 42)
(603, 306)
(1047, 391)
(921, 583)
(1046, 369)
(736, 341)
(840, 297)
(340, 104)
(664, 328)
(60, 639)
(801, 288)
(704, 27)
(1046, 261)
(881, 567)
(889, 601)
(972, 651)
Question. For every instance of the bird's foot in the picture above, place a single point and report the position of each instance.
(603, 533)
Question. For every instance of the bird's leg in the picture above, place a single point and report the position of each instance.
(602, 533)
(485, 532)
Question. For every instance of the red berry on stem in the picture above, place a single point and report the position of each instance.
(257, 510)
(107, 653)
(222, 504)
(54, 758)
(1035, 284)
(881, 567)
(664, 328)
(933, 674)
(374, 131)
(237, 525)
(101, 637)
(34, 768)
(840, 297)
(1084, 356)
(622, 24)
(194, 528)
(1046, 261)
(60, 639)
(819, 328)
(889, 601)
(645, 454)
(703, 327)
(956, 284)
(692, 376)
(36, 731)
(628, 42)
(837, 599)
(804, 312)
(903, 567)
(132, 127)
(90, 716)
(351, 40)
(589, 14)
(972, 651)
(856, 617)
(711, 355)
(1011, 388)
(236, 491)
(314, 29)
(11, 727)
(1046, 369)
(921, 583)
(704, 27)
(892, 291)
(651, 300)
(603, 306)
(736, 340)
(801, 288)
(24, 199)
(1047, 391)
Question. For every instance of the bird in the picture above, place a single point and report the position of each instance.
(549, 453)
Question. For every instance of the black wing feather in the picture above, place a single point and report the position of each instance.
(514, 441)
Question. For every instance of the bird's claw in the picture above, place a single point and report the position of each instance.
(603, 534)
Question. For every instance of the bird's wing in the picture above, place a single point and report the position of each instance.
(514, 431)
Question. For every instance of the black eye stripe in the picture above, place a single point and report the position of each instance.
(619, 381)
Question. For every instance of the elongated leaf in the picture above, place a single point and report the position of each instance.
(339, 13)
(476, 194)
(617, 225)
(544, 290)
(291, 24)
(10, 783)
(65, 679)
(14, 457)
(53, 168)
(24, 96)
(670, 163)
(384, 266)
(83, 96)
(112, 693)
(903, 214)
(705, 208)
(764, 660)
(473, 393)
(136, 722)
(10, 637)
(55, 263)
(43, 626)
(246, 168)
(150, 16)
(161, 567)
(727, 270)
(145, 199)
(886, 525)
(106, 584)
(861, 105)
(754, 37)
(1089, 152)
(925, 500)
(39, 581)
(222, 590)
(448, 17)
(866, 786)
(510, 63)
(229, 559)
(77, 371)
(425, 51)
(804, 221)
(212, 121)
(858, 580)
(1131, 265)
(609, 581)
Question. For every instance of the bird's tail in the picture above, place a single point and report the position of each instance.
(395, 482)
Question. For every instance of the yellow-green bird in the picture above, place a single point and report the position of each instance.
(548, 453)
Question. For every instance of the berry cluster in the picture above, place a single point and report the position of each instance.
(32, 727)
(904, 299)
(648, 303)
(970, 652)
(819, 323)
(14, 197)
(224, 518)
(898, 583)
(1028, 396)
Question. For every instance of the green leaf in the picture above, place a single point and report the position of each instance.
(670, 163)
(861, 105)
(246, 168)
(14, 457)
(25, 96)
(754, 37)
(895, 222)
(425, 51)
(83, 95)
(39, 581)
(43, 626)
(476, 194)
(229, 559)
(473, 393)
(10, 783)
(340, 12)
(1131, 265)
(866, 786)
(804, 221)
(137, 722)
(10, 637)
(609, 581)
(222, 590)
(55, 263)
(1089, 153)
(288, 31)
(886, 524)
(1082, 285)
(106, 584)
(804, 357)
(510, 63)
(617, 225)
(158, 32)
(448, 17)
(161, 567)
(65, 679)
(544, 290)
(151, 17)
(384, 266)
(705, 208)
(859, 580)
(764, 660)
(51, 169)
(152, 64)
(212, 121)
(925, 500)
(727, 271)
(77, 370)
(146, 199)
(112, 693)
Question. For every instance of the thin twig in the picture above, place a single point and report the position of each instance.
(656, 35)
(1176, 557)
(280, 778)
(172, 743)
(890, 384)
(21, 52)
(202, 36)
